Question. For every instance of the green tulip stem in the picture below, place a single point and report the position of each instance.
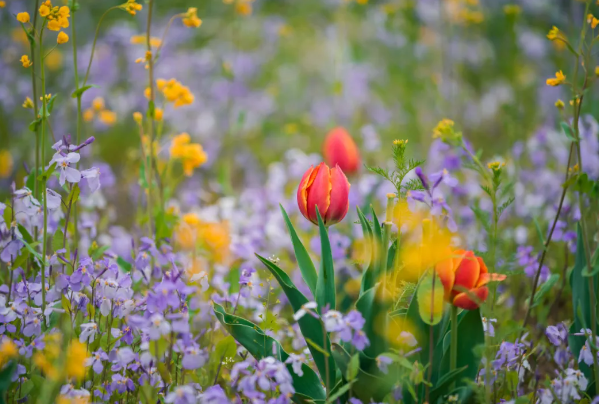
(453, 348)
(386, 237)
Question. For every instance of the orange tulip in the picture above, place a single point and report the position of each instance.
(340, 149)
(326, 188)
(464, 278)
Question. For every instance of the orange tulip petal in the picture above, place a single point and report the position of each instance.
(483, 266)
(445, 271)
(340, 149)
(471, 300)
(486, 278)
(319, 193)
(339, 201)
(302, 192)
(467, 273)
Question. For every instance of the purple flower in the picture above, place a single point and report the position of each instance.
(67, 173)
(181, 395)
(383, 363)
(194, 357)
(214, 395)
(96, 359)
(121, 384)
(557, 334)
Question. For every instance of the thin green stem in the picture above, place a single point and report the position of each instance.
(91, 58)
(453, 348)
(35, 109)
(79, 119)
(43, 161)
(150, 164)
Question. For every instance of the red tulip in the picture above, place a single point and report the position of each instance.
(326, 188)
(464, 278)
(340, 149)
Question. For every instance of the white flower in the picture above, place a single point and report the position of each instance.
(296, 363)
(67, 173)
(304, 310)
(88, 332)
(158, 326)
(93, 178)
(53, 199)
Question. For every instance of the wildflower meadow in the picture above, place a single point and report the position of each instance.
(285, 201)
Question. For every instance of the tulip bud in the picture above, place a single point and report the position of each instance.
(464, 278)
(340, 149)
(326, 188)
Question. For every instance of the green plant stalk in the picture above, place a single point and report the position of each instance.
(91, 57)
(150, 163)
(43, 153)
(35, 109)
(386, 237)
(79, 116)
(453, 348)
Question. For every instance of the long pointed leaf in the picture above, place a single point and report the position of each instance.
(312, 329)
(304, 262)
(260, 345)
(368, 279)
(325, 285)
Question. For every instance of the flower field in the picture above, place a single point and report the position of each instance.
(310, 202)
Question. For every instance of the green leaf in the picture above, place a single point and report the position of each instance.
(8, 215)
(124, 265)
(325, 284)
(301, 254)
(260, 345)
(312, 328)
(353, 367)
(444, 383)
(164, 372)
(99, 252)
(74, 194)
(20, 260)
(545, 288)
(340, 391)
(26, 236)
(33, 125)
(378, 247)
(226, 348)
(430, 296)
(57, 240)
(581, 305)
(368, 279)
(568, 131)
(5, 379)
(373, 310)
(470, 335)
(539, 231)
(151, 109)
(50, 105)
(78, 93)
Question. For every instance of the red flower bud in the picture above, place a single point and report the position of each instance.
(464, 278)
(326, 188)
(340, 149)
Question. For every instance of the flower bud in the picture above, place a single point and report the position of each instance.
(326, 188)
(464, 277)
(340, 149)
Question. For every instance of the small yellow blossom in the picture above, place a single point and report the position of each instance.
(577, 102)
(192, 155)
(98, 104)
(23, 17)
(553, 33)
(62, 38)
(597, 71)
(512, 9)
(8, 350)
(191, 18)
(496, 166)
(132, 7)
(75, 360)
(6, 163)
(53, 60)
(559, 104)
(47, 97)
(559, 79)
(28, 103)
(158, 114)
(25, 61)
(88, 115)
(45, 9)
(2, 4)
(446, 132)
(107, 117)
(137, 117)
(244, 7)
(141, 40)
(399, 142)
(174, 92)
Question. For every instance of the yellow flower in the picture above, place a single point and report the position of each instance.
(141, 40)
(192, 155)
(64, 12)
(28, 103)
(6, 163)
(243, 7)
(158, 114)
(75, 360)
(597, 71)
(559, 104)
(98, 104)
(495, 166)
(8, 350)
(559, 79)
(45, 9)
(25, 61)
(54, 25)
(132, 7)
(23, 17)
(62, 38)
(511, 9)
(191, 18)
(553, 33)
(88, 115)
(42, 362)
(53, 60)
(137, 117)
(445, 131)
(175, 92)
(2, 4)
(107, 117)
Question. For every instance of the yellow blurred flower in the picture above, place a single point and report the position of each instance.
(62, 38)
(25, 61)
(98, 108)
(559, 104)
(192, 155)
(53, 60)
(191, 18)
(2, 4)
(141, 40)
(23, 17)
(559, 79)
(174, 92)
(158, 114)
(107, 117)
(8, 350)
(28, 103)
(512, 9)
(45, 9)
(138, 117)
(132, 7)
(6, 163)
(75, 360)
(553, 33)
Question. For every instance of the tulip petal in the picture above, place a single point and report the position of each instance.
(483, 266)
(302, 191)
(472, 299)
(339, 201)
(445, 271)
(319, 192)
(486, 278)
(340, 149)
(467, 273)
